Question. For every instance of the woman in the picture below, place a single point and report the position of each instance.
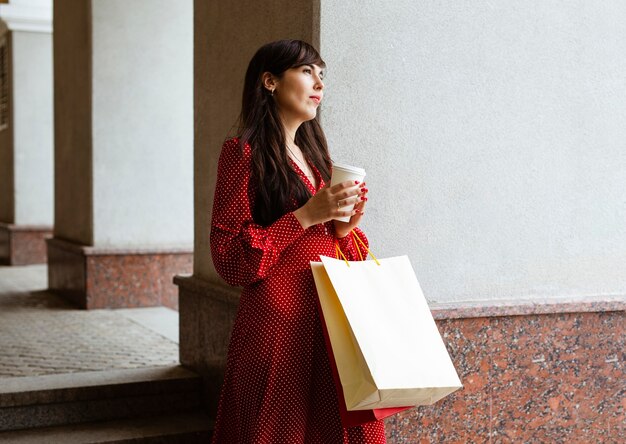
(273, 213)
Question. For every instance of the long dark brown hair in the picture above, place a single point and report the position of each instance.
(275, 184)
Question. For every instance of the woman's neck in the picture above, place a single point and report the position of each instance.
(290, 128)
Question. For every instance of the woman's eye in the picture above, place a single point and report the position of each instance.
(308, 70)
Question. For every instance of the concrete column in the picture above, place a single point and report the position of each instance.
(26, 133)
(226, 35)
(123, 151)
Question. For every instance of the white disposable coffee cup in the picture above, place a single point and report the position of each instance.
(341, 173)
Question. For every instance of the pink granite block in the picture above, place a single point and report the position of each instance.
(105, 278)
(23, 245)
(134, 280)
(557, 377)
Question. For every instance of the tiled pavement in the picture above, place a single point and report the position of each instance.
(41, 334)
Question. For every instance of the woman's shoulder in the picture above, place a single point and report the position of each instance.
(232, 143)
(233, 148)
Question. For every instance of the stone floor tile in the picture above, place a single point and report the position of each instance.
(40, 333)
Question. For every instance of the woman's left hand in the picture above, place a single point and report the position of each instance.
(342, 229)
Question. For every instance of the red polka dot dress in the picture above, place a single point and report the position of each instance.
(278, 385)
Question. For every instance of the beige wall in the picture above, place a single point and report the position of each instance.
(226, 36)
(72, 126)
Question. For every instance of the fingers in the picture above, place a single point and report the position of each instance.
(346, 194)
(347, 190)
(349, 214)
(351, 200)
(353, 195)
(338, 198)
(354, 215)
(345, 186)
(360, 208)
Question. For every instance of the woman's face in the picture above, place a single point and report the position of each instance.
(299, 92)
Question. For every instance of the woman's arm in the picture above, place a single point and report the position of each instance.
(352, 248)
(243, 251)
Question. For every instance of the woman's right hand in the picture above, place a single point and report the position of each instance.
(325, 204)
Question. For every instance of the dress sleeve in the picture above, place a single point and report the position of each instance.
(351, 247)
(243, 251)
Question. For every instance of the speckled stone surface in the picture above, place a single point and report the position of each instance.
(66, 272)
(207, 311)
(42, 335)
(104, 278)
(23, 245)
(528, 378)
(523, 307)
(5, 245)
(181, 428)
(533, 371)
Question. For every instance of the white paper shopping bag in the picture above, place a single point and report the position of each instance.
(387, 347)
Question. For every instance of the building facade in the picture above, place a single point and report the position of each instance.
(493, 140)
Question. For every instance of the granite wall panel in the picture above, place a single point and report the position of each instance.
(23, 245)
(207, 312)
(533, 371)
(538, 378)
(103, 278)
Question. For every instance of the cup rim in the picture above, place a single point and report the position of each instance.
(350, 168)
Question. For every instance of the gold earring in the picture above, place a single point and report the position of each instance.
(272, 93)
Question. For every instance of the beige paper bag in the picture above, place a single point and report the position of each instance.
(387, 347)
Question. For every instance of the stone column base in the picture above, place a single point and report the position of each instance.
(207, 312)
(93, 277)
(23, 244)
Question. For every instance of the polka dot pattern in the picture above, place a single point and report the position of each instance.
(278, 385)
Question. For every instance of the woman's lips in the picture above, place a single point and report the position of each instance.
(316, 99)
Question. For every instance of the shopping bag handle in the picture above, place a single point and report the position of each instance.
(355, 238)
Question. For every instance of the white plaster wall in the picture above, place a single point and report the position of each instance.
(33, 128)
(494, 136)
(143, 122)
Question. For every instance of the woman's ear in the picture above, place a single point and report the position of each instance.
(269, 81)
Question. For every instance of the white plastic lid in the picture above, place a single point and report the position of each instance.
(350, 168)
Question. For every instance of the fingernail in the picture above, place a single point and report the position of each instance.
(365, 190)
(356, 182)
(363, 198)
